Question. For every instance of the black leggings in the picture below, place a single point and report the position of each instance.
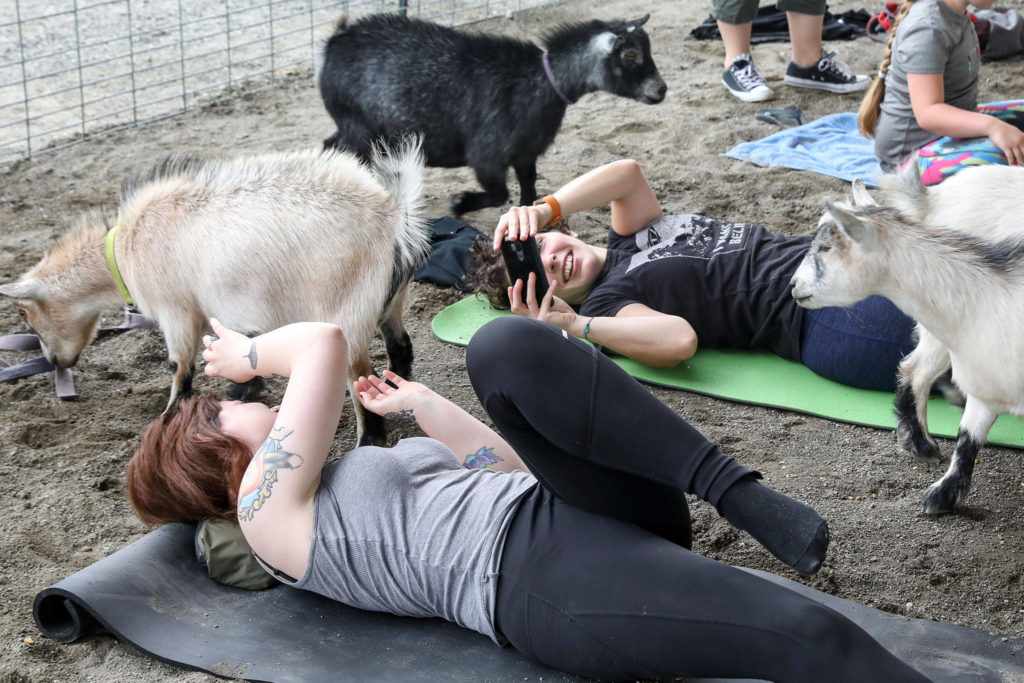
(591, 594)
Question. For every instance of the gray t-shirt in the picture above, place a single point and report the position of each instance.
(931, 39)
(407, 530)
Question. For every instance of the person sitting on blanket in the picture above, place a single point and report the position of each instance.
(666, 282)
(925, 99)
(583, 565)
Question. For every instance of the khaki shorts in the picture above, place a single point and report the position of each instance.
(744, 11)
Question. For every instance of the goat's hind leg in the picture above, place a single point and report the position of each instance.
(397, 341)
(353, 135)
(247, 391)
(182, 338)
(492, 178)
(945, 494)
(918, 372)
(370, 429)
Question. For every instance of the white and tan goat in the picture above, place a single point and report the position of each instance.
(256, 241)
(951, 257)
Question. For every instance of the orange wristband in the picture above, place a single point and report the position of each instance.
(556, 209)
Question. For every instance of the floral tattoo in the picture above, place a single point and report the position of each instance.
(260, 477)
(482, 459)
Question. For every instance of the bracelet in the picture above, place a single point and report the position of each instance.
(586, 329)
(556, 208)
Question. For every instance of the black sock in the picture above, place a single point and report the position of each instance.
(789, 530)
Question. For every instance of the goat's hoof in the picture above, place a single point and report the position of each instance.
(920, 448)
(939, 498)
(457, 204)
(368, 439)
(246, 391)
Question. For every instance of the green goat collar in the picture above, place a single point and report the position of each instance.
(112, 266)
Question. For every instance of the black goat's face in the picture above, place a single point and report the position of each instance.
(630, 69)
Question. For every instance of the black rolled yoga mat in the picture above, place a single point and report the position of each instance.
(155, 596)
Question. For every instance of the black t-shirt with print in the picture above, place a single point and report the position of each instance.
(730, 281)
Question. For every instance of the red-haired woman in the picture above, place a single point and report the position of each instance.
(588, 571)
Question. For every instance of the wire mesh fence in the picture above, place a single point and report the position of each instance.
(71, 69)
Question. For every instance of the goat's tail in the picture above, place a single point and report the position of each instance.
(400, 169)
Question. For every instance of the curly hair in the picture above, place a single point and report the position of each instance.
(487, 273)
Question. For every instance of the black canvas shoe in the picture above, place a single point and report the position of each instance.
(828, 73)
(745, 80)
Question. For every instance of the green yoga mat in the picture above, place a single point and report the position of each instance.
(755, 377)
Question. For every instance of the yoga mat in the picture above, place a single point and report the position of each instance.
(754, 377)
(154, 596)
(831, 145)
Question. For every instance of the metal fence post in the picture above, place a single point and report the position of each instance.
(131, 54)
(181, 56)
(24, 80)
(81, 86)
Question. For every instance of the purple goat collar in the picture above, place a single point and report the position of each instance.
(551, 78)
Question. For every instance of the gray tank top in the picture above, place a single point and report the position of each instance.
(407, 530)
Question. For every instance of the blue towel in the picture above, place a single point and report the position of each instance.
(832, 145)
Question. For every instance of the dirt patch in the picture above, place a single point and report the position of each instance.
(65, 505)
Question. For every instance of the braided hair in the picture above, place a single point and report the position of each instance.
(867, 115)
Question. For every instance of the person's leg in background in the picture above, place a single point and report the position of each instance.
(741, 76)
(605, 599)
(571, 413)
(811, 66)
(860, 345)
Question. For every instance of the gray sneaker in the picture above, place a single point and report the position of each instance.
(745, 80)
(828, 73)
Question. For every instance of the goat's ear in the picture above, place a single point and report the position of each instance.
(26, 289)
(909, 182)
(637, 23)
(860, 231)
(861, 196)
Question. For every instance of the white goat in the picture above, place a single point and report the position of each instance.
(256, 241)
(951, 257)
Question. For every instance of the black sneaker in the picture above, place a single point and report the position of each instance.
(745, 80)
(828, 73)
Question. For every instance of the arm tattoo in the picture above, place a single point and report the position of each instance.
(261, 476)
(406, 414)
(482, 459)
(251, 356)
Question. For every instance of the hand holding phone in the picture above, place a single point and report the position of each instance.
(521, 258)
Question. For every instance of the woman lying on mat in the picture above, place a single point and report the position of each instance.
(666, 282)
(583, 564)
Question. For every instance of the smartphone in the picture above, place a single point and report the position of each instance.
(521, 259)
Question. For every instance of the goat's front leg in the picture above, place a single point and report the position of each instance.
(918, 372)
(945, 494)
(526, 174)
(492, 178)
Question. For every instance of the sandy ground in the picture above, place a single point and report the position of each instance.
(64, 504)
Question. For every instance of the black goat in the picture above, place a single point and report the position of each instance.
(483, 101)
